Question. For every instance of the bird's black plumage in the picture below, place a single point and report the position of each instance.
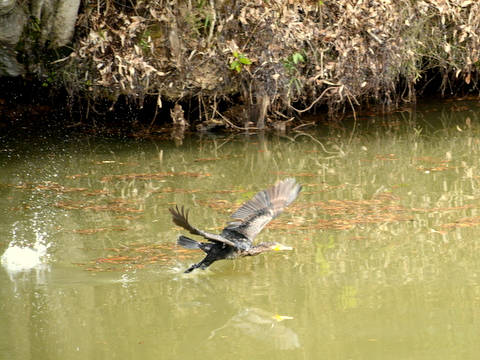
(237, 237)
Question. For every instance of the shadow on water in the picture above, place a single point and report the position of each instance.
(385, 236)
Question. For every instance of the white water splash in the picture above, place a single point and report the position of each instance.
(20, 257)
(17, 258)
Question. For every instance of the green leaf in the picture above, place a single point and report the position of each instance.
(244, 60)
(236, 65)
(298, 57)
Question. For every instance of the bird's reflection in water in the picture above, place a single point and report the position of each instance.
(263, 325)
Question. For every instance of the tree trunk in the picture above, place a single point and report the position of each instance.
(55, 25)
(12, 21)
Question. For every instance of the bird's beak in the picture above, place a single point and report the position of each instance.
(281, 317)
(281, 247)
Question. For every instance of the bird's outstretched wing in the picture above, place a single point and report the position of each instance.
(263, 207)
(180, 218)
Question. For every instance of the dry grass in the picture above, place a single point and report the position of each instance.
(337, 53)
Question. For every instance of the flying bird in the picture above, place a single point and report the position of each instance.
(237, 237)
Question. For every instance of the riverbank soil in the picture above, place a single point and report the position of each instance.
(253, 64)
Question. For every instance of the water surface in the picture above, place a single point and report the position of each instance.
(385, 235)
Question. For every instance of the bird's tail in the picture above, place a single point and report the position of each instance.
(188, 243)
(193, 244)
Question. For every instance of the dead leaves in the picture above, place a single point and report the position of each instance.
(461, 223)
(335, 214)
(151, 176)
(441, 164)
(223, 157)
(94, 231)
(106, 203)
(137, 256)
(119, 49)
(56, 188)
(355, 50)
(385, 207)
(113, 205)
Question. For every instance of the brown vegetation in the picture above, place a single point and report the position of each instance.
(278, 57)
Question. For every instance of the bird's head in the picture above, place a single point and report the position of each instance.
(280, 247)
(264, 247)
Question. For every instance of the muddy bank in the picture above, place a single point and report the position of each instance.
(260, 64)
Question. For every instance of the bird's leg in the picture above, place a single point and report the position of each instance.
(200, 265)
(190, 269)
(206, 262)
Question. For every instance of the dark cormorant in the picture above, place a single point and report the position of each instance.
(236, 239)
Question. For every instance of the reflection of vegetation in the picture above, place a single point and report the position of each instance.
(355, 273)
(324, 264)
(373, 192)
(348, 297)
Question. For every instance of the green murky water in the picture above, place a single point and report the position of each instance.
(386, 236)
